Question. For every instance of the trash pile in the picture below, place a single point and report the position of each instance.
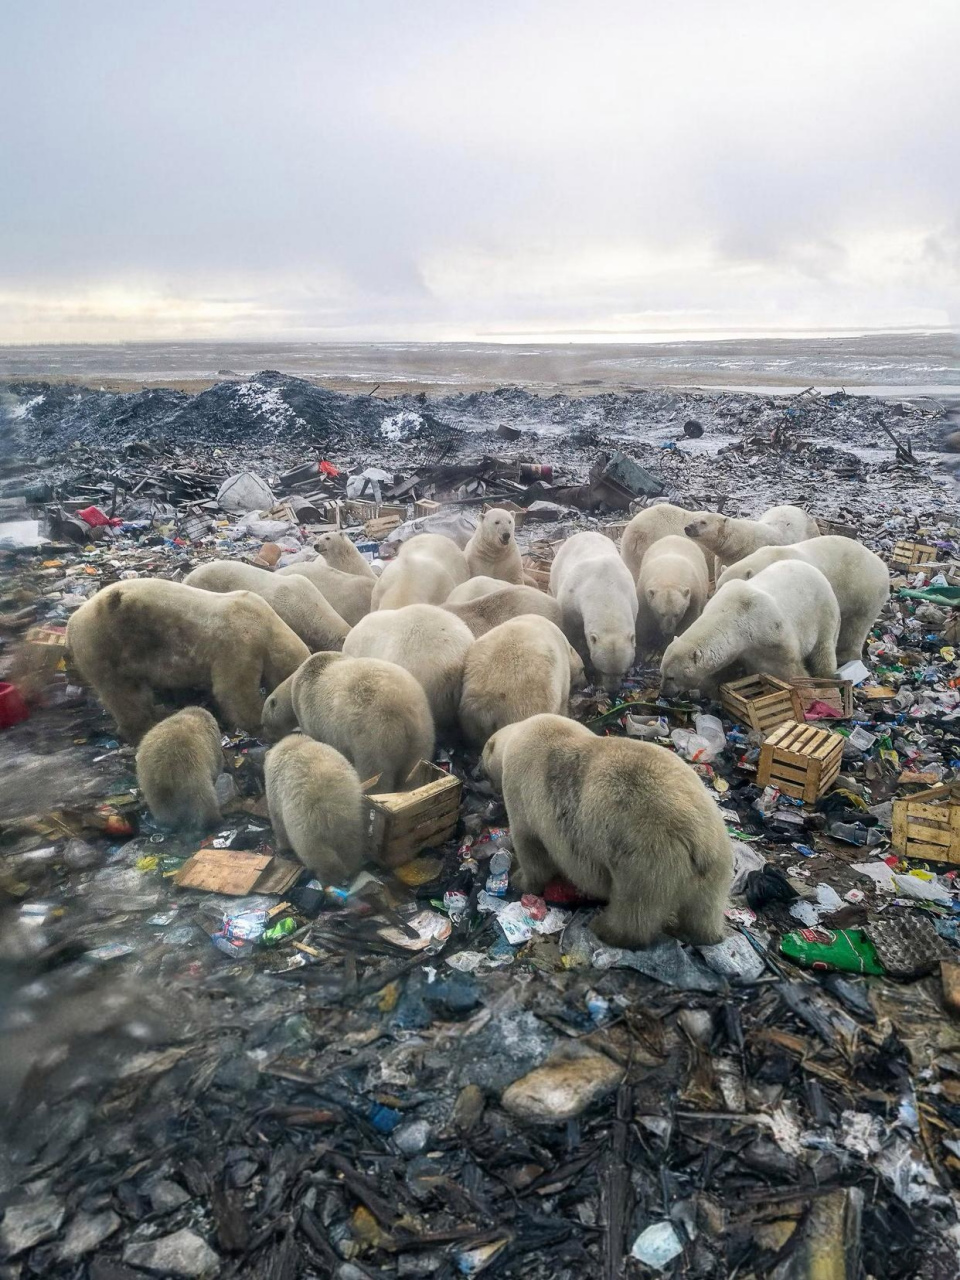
(212, 1063)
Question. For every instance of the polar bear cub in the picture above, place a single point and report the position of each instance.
(374, 713)
(493, 551)
(517, 670)
(730, 539)
(598, 598)
(671, 590)
(316, 807)
(627, 822)
(784, 622)
(178, 763)
(860, 582)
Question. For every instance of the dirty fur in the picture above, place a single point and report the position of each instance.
(294, 599)
(340, 553)
(348, 593)
(662, 520)
(626, 822)
(426, 570)
(136, 640)
(671, 590)
(860, 582)
(492, 551)
(473, 589)
(523, 667)
(373, 712)
(315, 806)
(425, 640)
(598, 598)
(730, 538)
(178, 763)
(488, 611)
(784, 623)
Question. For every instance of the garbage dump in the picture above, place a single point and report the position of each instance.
(215, 1062)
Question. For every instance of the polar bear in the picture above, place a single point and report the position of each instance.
(178, 763)
(493, 551)
(730, 539)
(473, 589)
(295, 600)
(626, 822)
(518, 669)
(425, 571)
(348, 593)
(488, 611)
(784, 623)
(373, 712)
(598, 597)
(672, 589)
(340, 553)
(860, 582)
(135, 639)
(648, 526)
(429, 642)
(316, 807)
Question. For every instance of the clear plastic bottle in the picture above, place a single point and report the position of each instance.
(498, 879)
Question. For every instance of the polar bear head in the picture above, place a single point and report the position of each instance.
(496, 527)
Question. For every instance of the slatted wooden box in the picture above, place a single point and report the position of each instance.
(927, 825)
(800, 759)
(362, 510)
(909, 556)
(835, 693)
(378, 528)
(401, 823)
(425, 507)
(760, 702)
(519, 513)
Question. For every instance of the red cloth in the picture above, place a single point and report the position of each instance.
(94, 517)
(328, 469)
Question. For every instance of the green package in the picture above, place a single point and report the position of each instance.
(849, 950)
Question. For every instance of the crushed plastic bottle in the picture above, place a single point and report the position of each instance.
(704, 743)
(498, 879)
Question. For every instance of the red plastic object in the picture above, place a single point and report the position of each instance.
(13, 709)
(561, 893)
(328, 469)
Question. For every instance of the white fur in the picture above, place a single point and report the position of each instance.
(860, 582)
(523, 667)
(784, 622)
(730, 538)
(647, 527)
(315, 805)
(340, 553)
(625, 821)
(348, 593)
(597, 595)
(294, 599)
(427, 641)
(473, 589)
(493, 551)
(373, 712)
(488, 611)
(671, 590)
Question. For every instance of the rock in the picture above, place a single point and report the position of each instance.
(165, 1196)
(182, 1255)
(412, 1138)
(468, 1108)
(86, 1232)
(563, 1087)
(25, 1225)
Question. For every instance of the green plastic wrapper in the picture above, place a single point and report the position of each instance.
(849, 950)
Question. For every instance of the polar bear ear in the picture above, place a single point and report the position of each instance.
(651, 592)
(685, 592)
(697, 656)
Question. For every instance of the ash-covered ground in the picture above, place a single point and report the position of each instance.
(342, 1110)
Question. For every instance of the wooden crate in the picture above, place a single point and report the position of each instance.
(800, 759)
(376, 529)
(836, 528)
(909, 556)
(519, 513)
(362, 510)
(536, 572)
(835, 693)
(614, 531)
(425, 507)
(761, 702)
(401, 823)
(927, 825)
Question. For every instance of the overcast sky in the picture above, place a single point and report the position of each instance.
(428, 169)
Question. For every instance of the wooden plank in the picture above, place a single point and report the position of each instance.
(931, 835)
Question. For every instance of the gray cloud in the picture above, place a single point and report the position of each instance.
(433, 170)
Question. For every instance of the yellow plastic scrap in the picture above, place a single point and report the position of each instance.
(149, 863)
(419, 871)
